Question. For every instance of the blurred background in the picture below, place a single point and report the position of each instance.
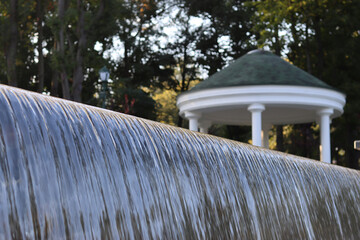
(153, 50)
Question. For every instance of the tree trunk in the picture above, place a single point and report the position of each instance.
(320, 49)
(40, 18)
(78, 72)
(61, 49)
(277, 41)
(10, 51)
(55, 84)
(307, 49)
(293, 30)
(54, 91)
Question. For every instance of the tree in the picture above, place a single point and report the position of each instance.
(142, 67)
(212, 55)
(77, 27)
(39, 24)
(62, 7)
(227, 34)
(11, 45)
(16, 20)
(316, 30)
(183, 49)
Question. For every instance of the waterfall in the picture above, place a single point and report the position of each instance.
(72, 171)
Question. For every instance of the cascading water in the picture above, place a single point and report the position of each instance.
(73, 171)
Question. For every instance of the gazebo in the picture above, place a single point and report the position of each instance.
(261, 89)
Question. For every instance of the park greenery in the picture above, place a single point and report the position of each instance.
(157, 49)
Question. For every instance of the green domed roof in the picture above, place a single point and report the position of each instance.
(259, 67)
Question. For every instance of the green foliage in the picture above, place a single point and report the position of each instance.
(237, 133)
(322, 37)
(166, 110)
(132, 101)
(229, 33)
(302, 140)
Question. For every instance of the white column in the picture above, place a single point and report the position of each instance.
(193, 120)
(256, 110)
(204, 126)
(325, 148)
(265, 135)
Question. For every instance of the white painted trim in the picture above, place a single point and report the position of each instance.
(192, 115)
(256, 122)
(193, 120)
(325, 144)
(310, 104)
(256, 107)
(269, 95)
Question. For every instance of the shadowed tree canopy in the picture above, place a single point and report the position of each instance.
(155, 46)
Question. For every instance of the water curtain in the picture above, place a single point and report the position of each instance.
(73, 171)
